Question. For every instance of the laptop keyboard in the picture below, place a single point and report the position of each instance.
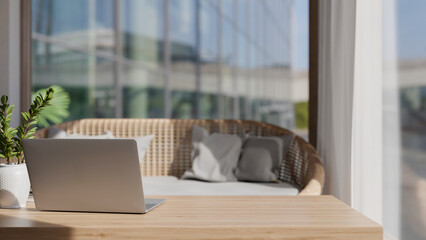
(149, 206)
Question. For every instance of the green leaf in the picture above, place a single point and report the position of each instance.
(43, 122)
(28, 135)
(10, 109)
(25, 116)
(20, 130)
(10, 133)
(57, 110)
(2, 156)
(4, 99)
(32, 123)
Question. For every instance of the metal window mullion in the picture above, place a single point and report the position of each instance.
(92, 51)
(117, 64)
(49, 32)
(197, 60)
(26, 60)
(166, 60)
(219, 61)
(257, 84)
(262, 43)
(236, 113)
(249, 114)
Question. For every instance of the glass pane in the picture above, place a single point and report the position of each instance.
(88, 81)
(209, 56)
(228, 59)
(142, 23)
(183, 58)
(293, 95)
(404, 165)
(143, 93)
(64, 45)
(142, 44)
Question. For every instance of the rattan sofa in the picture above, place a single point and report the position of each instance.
(170, 151)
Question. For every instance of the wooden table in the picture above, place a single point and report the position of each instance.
(188, 217)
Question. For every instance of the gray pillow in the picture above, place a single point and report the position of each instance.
(261, 158)
(214, 157)
(287, 141)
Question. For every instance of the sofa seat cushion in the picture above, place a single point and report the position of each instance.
(172, 186)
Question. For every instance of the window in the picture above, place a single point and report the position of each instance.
(406, 179)
(171, 58)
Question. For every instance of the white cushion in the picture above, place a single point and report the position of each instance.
(172, 186)
(214, 157)
(142, 142)
(59, 133)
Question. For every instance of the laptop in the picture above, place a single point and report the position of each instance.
(90, 175)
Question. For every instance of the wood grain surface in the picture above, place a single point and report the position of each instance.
(189, 217)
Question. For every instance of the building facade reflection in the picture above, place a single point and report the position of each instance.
(168, 58)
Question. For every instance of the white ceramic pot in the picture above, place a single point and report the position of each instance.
(14, 185)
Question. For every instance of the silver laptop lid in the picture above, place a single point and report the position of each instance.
(100, 175)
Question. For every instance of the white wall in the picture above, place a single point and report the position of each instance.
(9, 53)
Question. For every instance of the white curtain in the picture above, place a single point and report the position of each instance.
(350, 102)
(335, 91)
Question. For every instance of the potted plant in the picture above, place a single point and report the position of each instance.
(14, 181)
